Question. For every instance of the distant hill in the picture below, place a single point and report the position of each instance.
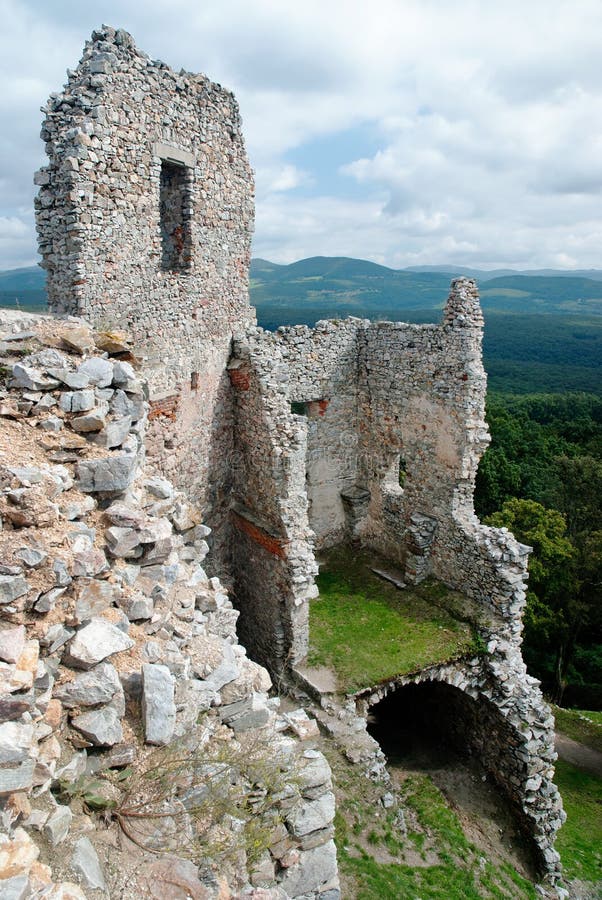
(327, 287)
(331, 287)
(24, 288)
(543, 332)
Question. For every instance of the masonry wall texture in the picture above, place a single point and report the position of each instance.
(144, 216)
(291, 441)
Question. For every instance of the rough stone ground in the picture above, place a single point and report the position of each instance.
(113, 638)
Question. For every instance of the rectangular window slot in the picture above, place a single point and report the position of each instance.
(174, 209)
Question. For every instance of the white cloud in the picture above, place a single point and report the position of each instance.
(487, 117)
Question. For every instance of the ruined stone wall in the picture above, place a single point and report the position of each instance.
(144, 217)
(272, 560)
(114, 641)
(422, 391)
(321, 375)
(383, 398)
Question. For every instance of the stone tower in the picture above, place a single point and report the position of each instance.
(145, 216)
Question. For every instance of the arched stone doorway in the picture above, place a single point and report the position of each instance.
(470, 752)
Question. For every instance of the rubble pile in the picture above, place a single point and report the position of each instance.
(140, 751)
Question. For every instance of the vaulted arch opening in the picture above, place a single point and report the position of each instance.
(469, 751)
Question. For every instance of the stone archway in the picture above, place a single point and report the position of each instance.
(471, 752)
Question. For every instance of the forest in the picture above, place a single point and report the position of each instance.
(542, 478)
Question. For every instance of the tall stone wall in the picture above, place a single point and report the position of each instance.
(144, 217)
(381, 403)
(288, 441)
(271, 558)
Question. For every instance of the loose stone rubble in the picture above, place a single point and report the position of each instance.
(114, 640)
(283, 442)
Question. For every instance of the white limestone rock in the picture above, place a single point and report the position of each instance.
(158, 706)
(95, 642)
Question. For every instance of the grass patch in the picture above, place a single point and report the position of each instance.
(580, 838)
(375, 857)
(580, 725)
(368, 631)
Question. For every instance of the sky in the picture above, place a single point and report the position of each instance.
(408, 132)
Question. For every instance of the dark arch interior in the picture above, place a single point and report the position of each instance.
(437, 728)
(420, 723)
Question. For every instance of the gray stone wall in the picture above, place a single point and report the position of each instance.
(144, 217)
(377, 397)
(271, 559)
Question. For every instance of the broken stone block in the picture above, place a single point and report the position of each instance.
(124, 516)
(110, 475)
(315, 869)
(51, 424)
(155, 530)
(314, 774)
(18, 853)
(114, 433)
(78, 338)
(301, 724)
(92, 597)
(98, 371)
(31, 378)
(12, 642)
(47, 600)
(158, 706)
(57, 826)
(12, 587)
(97, 685)
(86, 863)
(245, 714)
(16, 742)
(312, 815)
(76, 509)
(77, 401)
(31, 556)
(92, 421)
(89, 563)
(100, 726)
(137, 606)
(123, 542)
(113, 342)
(17, 778)
(159, 487)
(61, 575)
(12, 709)
(185, 516)
(95, 641)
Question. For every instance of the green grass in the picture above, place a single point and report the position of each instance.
(583, 726)
(373, 854)
(367, 630)
(580, 838)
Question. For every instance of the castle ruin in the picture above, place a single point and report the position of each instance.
(295, 439)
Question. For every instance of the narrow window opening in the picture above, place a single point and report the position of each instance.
(194, 381)
(299, 408)
(395, 476)
(174, 211)
(402, 471)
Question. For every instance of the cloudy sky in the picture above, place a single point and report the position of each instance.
(408, 132)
